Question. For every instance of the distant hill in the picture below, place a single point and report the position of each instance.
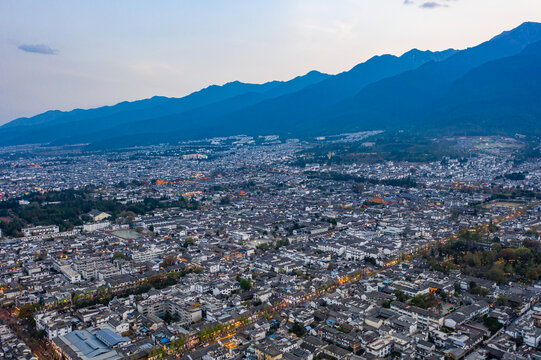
(489, 88)
(54, 125)
(503, 95)
(410, 99)
(247, 114)
(309, 102)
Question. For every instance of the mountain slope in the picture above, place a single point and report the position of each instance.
(499, 96)
(235, 115)
(403, 100)
(491, 87)
(158, 104)
(344, 85)
(54, 125)
(407, 100)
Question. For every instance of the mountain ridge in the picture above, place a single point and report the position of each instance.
(233, 88)
(384, 92)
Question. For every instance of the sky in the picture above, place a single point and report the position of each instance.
(81, 54)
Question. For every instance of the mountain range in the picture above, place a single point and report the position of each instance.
(492, 88)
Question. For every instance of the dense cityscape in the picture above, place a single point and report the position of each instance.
(270, 248)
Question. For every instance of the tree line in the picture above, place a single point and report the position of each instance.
(479, 255)
(69, 208)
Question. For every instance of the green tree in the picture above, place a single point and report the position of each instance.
(245, 284)
(443, 295)
(492, 324)
(532, 274)
(27, 311)
(298, 329)
(501, 300)
(119, 255)
(400, 296)
(497, 274)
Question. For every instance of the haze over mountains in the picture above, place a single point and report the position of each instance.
(490, 88)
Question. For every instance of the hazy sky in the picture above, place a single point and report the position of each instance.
(88, 53)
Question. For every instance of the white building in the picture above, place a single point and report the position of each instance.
(381, 347)
(40, 230)
(72, 275)
(96, 226)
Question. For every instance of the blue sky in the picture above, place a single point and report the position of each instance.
(80, 54)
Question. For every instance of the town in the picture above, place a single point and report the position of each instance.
(270, 248)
